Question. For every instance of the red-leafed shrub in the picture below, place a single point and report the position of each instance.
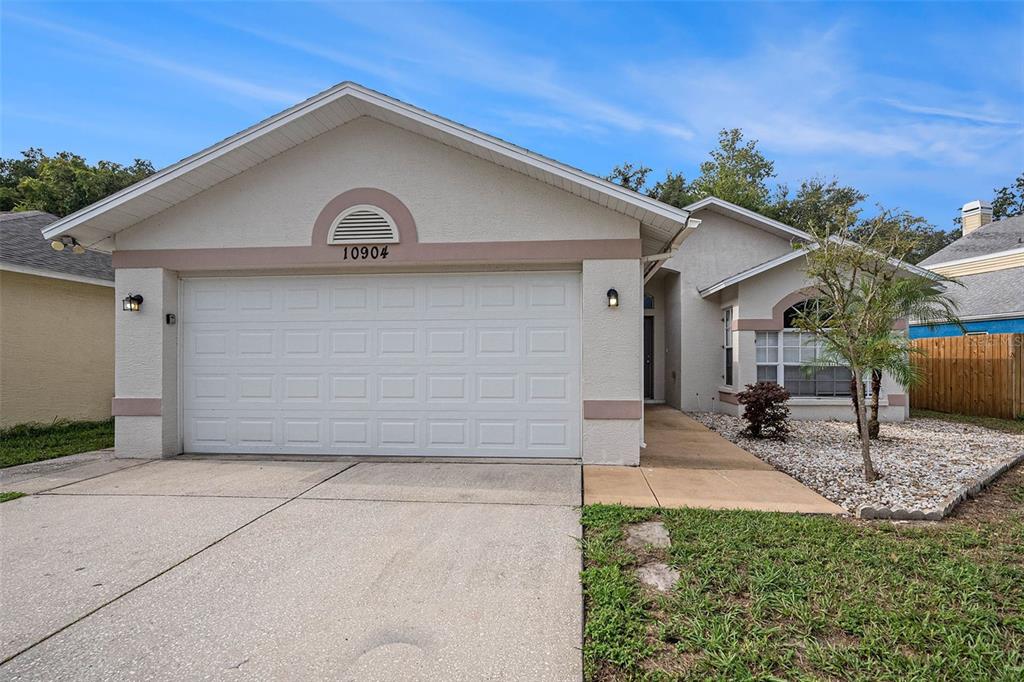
(765, 410)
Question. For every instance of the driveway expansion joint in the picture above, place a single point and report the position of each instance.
(169, 568)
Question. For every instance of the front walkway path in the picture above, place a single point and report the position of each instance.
(686, 464)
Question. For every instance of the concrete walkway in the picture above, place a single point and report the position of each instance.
(686, 464)
(211, 569)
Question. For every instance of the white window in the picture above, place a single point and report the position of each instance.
(727, 345)
(363, 224)
(785, 364)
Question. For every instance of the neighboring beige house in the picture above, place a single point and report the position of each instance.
(56, 326)
(357, 276)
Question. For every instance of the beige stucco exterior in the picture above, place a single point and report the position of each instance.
(453, 198)
(692, 364)
(56, 349)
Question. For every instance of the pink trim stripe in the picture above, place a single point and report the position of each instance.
(373, 197)
(260, 257)
(897, 399)
(136, 407)
(728, 398)
(613, 409)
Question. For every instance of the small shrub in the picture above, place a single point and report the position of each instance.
(765, 410)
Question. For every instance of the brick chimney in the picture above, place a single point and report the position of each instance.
(974, 214)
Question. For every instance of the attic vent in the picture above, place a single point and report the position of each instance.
(363, 224)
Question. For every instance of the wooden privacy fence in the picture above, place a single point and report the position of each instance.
(977, 375)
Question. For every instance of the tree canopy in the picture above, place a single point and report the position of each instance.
(1009, 201)
(63, 183)
(738, 172)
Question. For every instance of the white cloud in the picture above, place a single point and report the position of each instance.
(201, 75)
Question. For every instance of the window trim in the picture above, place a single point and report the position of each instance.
(728, 361)
(780, 363)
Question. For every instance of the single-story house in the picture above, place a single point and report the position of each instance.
(357, 276)
(988, 260)
(56, 326)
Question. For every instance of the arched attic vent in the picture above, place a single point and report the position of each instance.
(363, 224)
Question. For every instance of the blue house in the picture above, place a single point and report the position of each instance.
(989, 261)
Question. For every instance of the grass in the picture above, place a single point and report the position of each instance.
(26, 443)
(1015, 426)
(7, 497)
(766, 596)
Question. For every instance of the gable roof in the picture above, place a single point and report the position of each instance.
(24, 249)
(793, 255)
(753, 218)
(95, 224)
(1001, 235)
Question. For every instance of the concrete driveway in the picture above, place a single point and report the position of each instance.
(195, 569)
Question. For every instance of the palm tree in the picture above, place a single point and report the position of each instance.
(908, 298)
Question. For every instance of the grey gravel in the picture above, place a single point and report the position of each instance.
(922, 461)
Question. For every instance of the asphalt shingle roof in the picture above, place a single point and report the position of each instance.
(22, 243)
(1001, 235)
(990, 293)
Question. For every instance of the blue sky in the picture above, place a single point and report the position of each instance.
(920, 105)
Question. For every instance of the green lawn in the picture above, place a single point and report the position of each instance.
(7, 497)
(26, 443)
(777, 596)
(1006, 425)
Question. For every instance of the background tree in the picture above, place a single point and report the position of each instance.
(630, 176)
(737, 172)
(63, 183)
(1009, 201)
(816, 202)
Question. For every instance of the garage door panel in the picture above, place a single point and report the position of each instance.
(481, 365)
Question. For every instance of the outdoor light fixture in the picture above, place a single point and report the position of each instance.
(65, 242)
(613, 298)
(132, 303)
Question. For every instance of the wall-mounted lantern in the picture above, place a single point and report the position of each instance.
(132, 303)
(613, 298)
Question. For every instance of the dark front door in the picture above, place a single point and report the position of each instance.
(649, 357)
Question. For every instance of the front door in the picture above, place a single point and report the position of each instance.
(649, 357)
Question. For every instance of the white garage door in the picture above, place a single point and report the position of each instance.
(469, 365)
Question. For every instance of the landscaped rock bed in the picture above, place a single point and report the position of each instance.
(924, 463)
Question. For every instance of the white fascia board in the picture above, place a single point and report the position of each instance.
(753, 216)
(756, 270)
(975, 259)
(51, 274)
(357, 92)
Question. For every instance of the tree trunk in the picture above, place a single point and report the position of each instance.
(862, 423)
(876, 392)
(856, 403)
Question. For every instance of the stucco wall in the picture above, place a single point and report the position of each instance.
(147, 363)
(56, 349)
(612, 353)
(656, 288)
(719, 248)
(453, 197)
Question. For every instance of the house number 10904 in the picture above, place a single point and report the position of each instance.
(365, 252)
